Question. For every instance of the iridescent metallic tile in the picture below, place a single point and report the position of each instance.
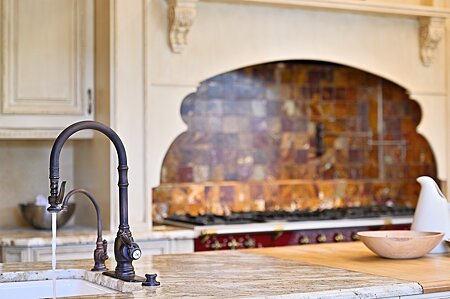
(230, 107)
(269, 113)
(300, 125)
(201, 173)
(287, 124)
(259, 173)
(214, 124)
(230, 141)
(244, 172)
(258, 108)
(261, 141)
(256, 191)
(185, 174)
(273, 108)
(259, 124)
(231, 173)
(217, 173)
(214, 107)
(200, 107)
(227, 194)
(301, 156)
(215, 89)
(328, 94)
(231, 124)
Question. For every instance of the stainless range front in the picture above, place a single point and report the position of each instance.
(281, 228)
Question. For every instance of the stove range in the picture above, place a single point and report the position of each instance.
(280, 228)
(290, 216)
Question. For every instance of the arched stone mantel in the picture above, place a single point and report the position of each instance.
(182, 14)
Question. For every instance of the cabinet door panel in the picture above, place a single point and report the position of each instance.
(45, 56)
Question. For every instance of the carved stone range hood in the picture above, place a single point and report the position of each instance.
(190, 41)
(182, 14)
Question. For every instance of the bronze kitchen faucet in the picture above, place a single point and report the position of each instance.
(125, 249)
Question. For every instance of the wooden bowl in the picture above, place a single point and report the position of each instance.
(400, 244)
(447, 241)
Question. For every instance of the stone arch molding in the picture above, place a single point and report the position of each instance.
(363, 65)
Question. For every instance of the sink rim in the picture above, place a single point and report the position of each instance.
(65, 287)
(72, 273)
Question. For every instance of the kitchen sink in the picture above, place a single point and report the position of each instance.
(44, 289)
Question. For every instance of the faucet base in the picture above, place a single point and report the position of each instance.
(99, 269)
(131, 278)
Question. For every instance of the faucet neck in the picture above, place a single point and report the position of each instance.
(121, 154)
(123, 194)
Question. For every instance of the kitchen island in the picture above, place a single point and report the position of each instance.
(345, 270)
(432, 271)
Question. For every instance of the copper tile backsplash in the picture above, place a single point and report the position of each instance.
(294, 135)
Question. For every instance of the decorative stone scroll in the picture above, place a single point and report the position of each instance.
(181, 17)
(431, 32)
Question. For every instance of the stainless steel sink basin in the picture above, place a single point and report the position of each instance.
(44, 289)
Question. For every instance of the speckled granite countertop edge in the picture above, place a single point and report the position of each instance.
(27, 237)
(233, 275)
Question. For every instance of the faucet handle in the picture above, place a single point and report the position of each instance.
(56, 201)
(105, 249)
(125, 238)
(100, 256)
(133, 251)
(62, 190)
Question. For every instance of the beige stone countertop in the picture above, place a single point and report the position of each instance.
(431, 271)
(27, 237)
(226, 274)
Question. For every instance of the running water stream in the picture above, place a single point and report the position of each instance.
(54, 253)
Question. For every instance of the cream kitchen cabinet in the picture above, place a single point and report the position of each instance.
(47, 66)
(11, 254)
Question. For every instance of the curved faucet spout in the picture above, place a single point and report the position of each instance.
(125, 249)
(123, 168)
(100, 252)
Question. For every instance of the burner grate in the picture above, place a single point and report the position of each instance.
(291, 216)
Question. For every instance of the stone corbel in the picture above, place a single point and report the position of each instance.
(431, 33)
(181, 17)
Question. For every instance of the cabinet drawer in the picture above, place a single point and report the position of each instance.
(86, 251)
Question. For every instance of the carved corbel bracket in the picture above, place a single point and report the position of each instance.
(431, 33)
(181, 17)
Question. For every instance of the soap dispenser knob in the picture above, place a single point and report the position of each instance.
(151, 280)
